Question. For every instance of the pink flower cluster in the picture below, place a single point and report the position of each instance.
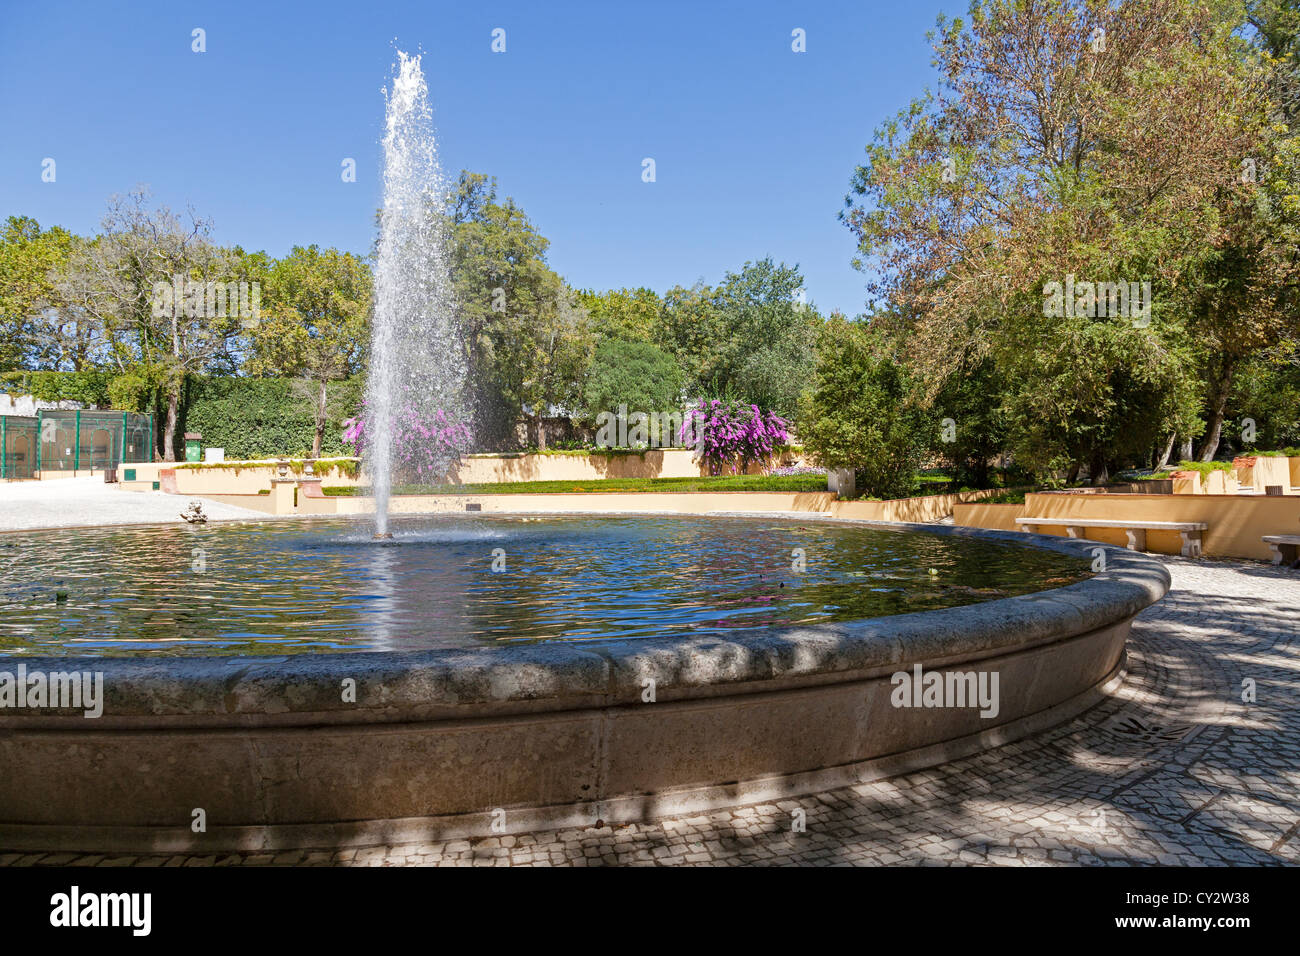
(731, 434)
(424, 444)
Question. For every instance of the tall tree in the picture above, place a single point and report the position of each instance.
(528, 338)
(749, 338)
(626, 315)
(316, 306)
(38, 329)
(1071, 140)
(151, 281)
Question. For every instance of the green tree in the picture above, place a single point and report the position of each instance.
(974, 425)
(315, 310)
(858, 416)
(123, 283)
(750, 338)
(629, 315)
(1041, 160)
(528, 336)
(638, 375)
(37, 329)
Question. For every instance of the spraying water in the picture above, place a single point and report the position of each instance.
(417, 361)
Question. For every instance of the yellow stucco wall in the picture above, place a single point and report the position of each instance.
(992, 517)
(612, 503)
(657, 463)
(254, 476)
(1260, 471)
(1237, 523)
(247, 479)
(822, 502)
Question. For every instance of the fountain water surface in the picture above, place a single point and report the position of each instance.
(417, 359)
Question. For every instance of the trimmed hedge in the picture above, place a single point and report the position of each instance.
(1204, 467)
(249, 417)
(89, 388)
(267, 417)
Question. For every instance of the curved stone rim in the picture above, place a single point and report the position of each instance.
(399, 687)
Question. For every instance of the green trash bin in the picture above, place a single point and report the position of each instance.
(193, 446)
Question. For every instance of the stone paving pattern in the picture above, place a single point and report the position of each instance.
(1174, 769)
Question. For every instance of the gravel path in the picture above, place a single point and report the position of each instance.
(88, 502)
(1174, 769)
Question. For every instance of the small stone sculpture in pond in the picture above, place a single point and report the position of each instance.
(195, 515)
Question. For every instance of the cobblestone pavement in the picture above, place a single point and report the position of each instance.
(1175, 769)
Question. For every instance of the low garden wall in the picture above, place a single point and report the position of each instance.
(1257, 472)
(572, 466)
(1237, 523)
(1215, 482)
(310, 501)
(239, 478)
(250, 477)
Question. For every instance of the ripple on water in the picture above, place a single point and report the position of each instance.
(266, 588)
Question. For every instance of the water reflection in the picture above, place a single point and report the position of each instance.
(326, 586)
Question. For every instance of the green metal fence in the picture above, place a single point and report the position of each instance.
(18, 446)
(73, 440)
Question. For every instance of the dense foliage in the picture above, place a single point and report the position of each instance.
(1044, 158)
(858, 416)
(749, 339)
(266, 417)
(637, 375)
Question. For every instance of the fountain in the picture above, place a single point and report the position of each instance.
(308, 689)
(417, 355)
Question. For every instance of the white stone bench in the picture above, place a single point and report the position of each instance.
(1285, 547)
(1137, 530)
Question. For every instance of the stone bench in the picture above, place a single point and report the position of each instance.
(1285, 547)
(1137, 530)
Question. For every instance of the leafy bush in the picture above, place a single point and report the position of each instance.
(858, 415)
(89, 388)
(1204, 467)
(974, 427)
(266, 417)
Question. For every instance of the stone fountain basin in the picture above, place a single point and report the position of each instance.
(266, 752)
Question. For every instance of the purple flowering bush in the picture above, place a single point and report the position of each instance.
(730, 435)
(425, 444)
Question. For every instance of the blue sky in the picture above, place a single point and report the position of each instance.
(754, 144)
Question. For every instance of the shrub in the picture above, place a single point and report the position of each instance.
(730, 435)
(1204, 467)
(88, 388)
(425, 443)
(265, 417)
(858, 415)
